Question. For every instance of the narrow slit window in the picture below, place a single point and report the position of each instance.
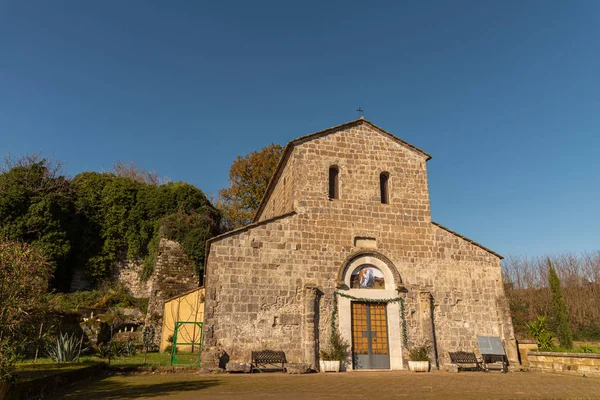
(383, 185)
(334, 187)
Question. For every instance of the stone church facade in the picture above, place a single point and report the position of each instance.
(347, 216)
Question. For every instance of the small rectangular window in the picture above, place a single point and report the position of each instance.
(334, 192)
(383, 185)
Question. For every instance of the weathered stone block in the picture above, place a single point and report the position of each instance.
(297, 368)
(451, 367)
(238, 367)
(290, 319)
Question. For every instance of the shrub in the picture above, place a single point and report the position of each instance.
(337, 350)
(586, 348)
(420, 353)
(111, 349)
(110, 294)
(104, 351)
(588, 331)
(24, 275)
(129, 349)
(538, 329)
(545, 341)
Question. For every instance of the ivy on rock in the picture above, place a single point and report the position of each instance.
(96, 220)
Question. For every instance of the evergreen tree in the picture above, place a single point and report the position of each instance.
(558, 310)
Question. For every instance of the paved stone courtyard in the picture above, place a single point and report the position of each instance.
(351, 385)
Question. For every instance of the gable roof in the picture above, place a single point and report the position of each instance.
(468, 240)
(316, 135)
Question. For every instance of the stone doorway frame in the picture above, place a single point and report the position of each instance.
(393, 286)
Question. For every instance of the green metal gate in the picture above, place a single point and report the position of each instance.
(182, 337)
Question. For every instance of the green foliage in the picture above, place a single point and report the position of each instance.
(99, 219)
(527, 290)
(559, 312)
(539, 330)
(113, 349)
(586, 348)
(65, 348)
(133, 216)
(589, 331)
(420, 352)
(108, 295)
(129, 348)
(338, 349)
(249, 178)
(9, 356)
(24, 275)
(36, 206)
(583, 348)
(104, 351)
(545, 341)
(538, 326)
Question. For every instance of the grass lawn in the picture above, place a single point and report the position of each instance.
(45, 366)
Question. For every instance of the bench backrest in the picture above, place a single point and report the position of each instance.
(268, 356)
(463, 357)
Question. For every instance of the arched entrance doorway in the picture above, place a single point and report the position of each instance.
(372, 326)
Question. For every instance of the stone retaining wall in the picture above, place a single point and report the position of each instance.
(568, 363)
(524, 347)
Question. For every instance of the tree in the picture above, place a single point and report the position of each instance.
(99, 219)
(125, 219)
(137, 173)
(36, 206)
(24, 276)
(558, 309)
(249, 177)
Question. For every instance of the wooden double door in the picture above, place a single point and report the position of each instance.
(370, 345)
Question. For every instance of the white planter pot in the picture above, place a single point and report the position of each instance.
(418, 366)
(329, 366)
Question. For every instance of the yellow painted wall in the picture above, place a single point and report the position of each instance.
(188, 307)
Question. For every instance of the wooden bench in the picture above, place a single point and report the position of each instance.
(465, 360)
(268, 360)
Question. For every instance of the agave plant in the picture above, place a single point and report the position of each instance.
(64, 349)
(129, 349)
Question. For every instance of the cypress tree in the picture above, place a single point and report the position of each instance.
(559, 310)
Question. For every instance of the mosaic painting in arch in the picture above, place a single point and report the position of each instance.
(367, 276)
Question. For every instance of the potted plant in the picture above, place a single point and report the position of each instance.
(419, 358)
(335, 354)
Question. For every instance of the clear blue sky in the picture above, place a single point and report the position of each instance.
(505, 95)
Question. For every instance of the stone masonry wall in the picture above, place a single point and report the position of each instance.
(173, 275)
(128, 273)
(280, 201)
(259, 279)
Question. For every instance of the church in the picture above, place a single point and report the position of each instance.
(343, 239)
